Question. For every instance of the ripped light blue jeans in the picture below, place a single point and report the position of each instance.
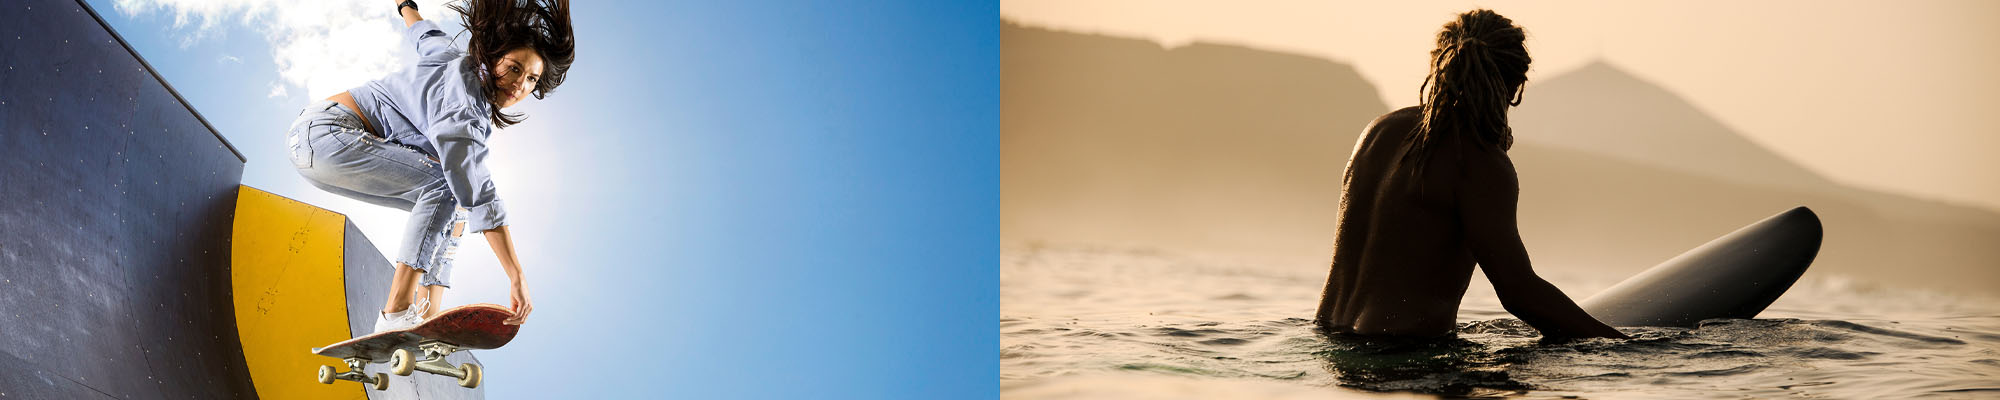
(330, 148)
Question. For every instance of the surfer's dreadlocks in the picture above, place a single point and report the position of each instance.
(1477, 71)
(500, 26)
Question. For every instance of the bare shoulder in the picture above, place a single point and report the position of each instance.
(1488, 177)
(1399, 120)
(1395, 125)
(1488, 164)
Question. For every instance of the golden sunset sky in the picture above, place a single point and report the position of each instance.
(1895, 96)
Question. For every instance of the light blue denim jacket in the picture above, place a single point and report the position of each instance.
(438, 106)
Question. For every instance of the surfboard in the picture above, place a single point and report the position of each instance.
(1734, 276)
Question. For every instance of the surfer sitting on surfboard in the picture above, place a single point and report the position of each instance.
(1430, 191)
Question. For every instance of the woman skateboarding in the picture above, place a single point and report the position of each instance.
(1430, 191)
(416, 140)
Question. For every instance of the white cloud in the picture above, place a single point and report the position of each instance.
(228, 59)
(328, 46)
(323, 46)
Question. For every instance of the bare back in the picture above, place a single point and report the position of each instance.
(1406, 240)
(1400, 264)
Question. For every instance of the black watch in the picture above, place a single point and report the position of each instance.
(412, 4)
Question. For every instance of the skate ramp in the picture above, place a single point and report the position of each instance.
(115, 205)
(118, 238)
(305, 277)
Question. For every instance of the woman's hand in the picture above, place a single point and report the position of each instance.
(521, 305)
(503, 248)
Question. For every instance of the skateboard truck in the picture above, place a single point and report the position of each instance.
(354, 373)
(423, 347)
(402, 362)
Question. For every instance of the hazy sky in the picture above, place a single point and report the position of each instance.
(1896, 96)
(783, 200)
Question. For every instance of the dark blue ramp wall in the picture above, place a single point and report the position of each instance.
(115, 207)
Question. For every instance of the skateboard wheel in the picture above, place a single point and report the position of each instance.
(402, 362)
(326, 374)
(381, 381)
(472, 375)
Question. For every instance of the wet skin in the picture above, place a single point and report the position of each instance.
(1405, 245)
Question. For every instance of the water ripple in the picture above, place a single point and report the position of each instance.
(1220, 323)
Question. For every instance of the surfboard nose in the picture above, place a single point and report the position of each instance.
(1734, 276)
(1800, 214)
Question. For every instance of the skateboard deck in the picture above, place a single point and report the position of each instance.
(423, 347)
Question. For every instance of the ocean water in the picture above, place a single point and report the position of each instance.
(1110, 323)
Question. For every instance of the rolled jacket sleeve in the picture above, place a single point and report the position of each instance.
(460, 136)
(429, 39)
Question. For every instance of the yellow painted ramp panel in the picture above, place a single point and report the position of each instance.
(287, 272)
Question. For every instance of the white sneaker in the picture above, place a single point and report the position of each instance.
(406, 319)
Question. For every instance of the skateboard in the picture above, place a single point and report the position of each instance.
(469, 327)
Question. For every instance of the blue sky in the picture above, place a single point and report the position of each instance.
(783, 201)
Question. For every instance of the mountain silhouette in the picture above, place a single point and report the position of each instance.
(1225, 149)
(1602, 109)
(1111, 140)
(1602, 151)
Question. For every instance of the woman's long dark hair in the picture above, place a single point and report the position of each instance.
(500, 26)
(1477, 71)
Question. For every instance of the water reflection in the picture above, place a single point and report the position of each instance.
(1447, 365)
(1096, 321)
